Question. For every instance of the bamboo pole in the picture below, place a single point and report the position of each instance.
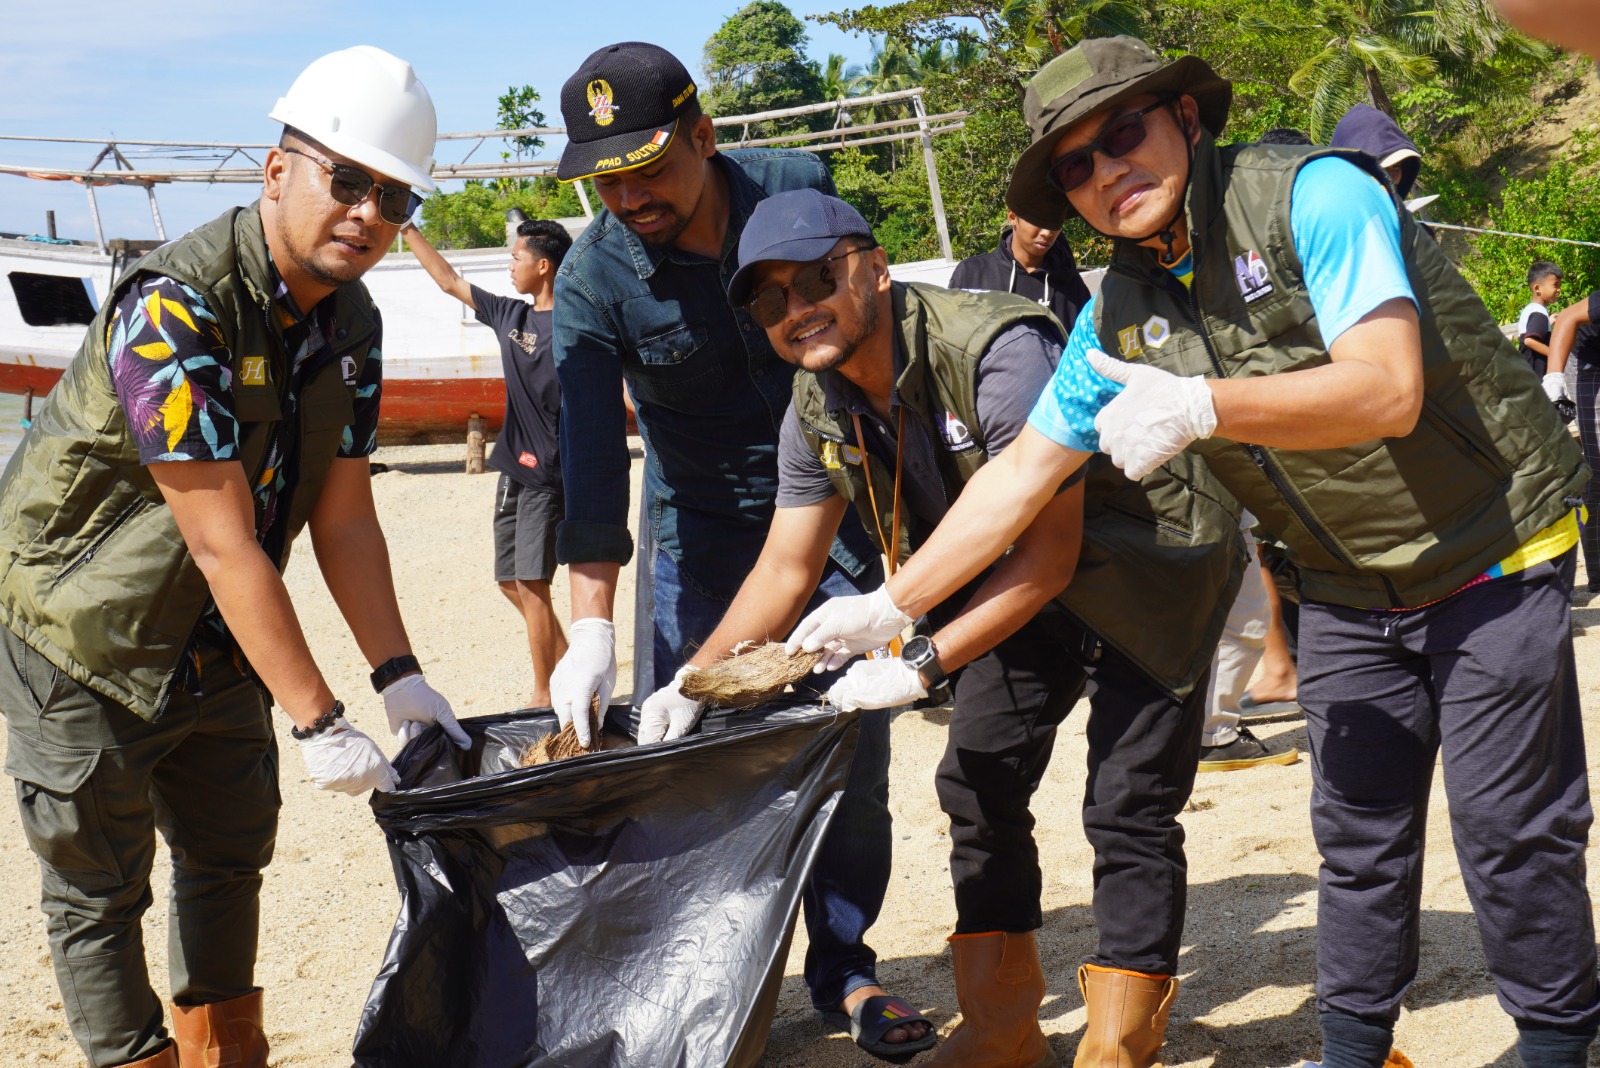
(933, 179)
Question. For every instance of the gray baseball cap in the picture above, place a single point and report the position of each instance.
(798, 226)
(1089, 77)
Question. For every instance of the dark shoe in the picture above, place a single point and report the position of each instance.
(874, 1018)
(1245, 751)
(1251, 709)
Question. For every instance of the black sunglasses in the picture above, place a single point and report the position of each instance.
(350, 186)
(1120, 136)
(813, 282)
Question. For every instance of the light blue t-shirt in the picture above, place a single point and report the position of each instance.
(1347, 233)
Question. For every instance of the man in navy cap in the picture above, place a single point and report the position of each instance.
(904, 392)
(639, 299)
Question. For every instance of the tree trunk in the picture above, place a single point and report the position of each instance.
(1380, 99)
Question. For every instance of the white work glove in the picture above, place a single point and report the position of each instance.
(877, 684)
(848, 626)
(1154, 418)
(1555, 385)
(342, 758)
(588, 670)
(412, 704)
(667, 714)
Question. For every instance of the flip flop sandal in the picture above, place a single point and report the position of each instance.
(876, 1017)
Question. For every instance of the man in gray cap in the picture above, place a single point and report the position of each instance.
(904, 392)
(1276, 310)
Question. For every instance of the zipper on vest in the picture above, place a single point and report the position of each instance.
(94, 547)
(1274, 474)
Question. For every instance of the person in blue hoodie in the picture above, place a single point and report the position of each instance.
(1371, 131)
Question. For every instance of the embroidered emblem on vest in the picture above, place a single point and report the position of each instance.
(1156, 331)
(347, 366)
(253, 371)
(954, 432)
(1251, 272)
(1128, 343)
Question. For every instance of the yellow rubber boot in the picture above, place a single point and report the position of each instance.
(224, 1034)
(999, 986)
(1127, 1017)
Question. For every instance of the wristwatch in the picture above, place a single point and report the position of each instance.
(392, 669)
(920, 656)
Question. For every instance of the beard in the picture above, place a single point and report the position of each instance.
(675, 225)
(866, 325)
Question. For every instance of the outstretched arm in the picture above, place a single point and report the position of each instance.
(438, 267)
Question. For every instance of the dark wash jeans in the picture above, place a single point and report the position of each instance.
(94, 784)
(1487, 677)
(851, 875)
(1144, 745)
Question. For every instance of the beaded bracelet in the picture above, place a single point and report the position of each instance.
(320, 724)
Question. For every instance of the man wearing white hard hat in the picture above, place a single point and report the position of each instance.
(225, 398)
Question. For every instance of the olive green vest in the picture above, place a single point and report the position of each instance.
(93, 571)
(1161, 559)
(1390, 523)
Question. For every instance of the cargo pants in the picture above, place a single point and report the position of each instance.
(94, 783)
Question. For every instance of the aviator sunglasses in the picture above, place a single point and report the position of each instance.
(1121, 136)
(813, 282)
(350, 186)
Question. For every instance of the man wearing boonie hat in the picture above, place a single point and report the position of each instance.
(225, 398)
(639, 300)
(1276, 311)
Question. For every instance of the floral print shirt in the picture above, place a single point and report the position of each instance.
(174, 374)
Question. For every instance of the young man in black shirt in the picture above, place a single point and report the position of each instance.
(528, 500)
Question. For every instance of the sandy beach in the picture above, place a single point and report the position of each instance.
(1249, 948)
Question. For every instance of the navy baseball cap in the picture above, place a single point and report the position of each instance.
(797, 227)
(621, 108)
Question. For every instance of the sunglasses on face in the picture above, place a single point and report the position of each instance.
(813, 282)
(350, 186)
(1120, 136)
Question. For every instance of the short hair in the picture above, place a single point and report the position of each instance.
(1543, 269)
(1285, 135)
(547, 238)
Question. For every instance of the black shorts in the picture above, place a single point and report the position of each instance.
(525, 532)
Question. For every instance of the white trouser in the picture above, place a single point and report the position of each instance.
(1244, 638)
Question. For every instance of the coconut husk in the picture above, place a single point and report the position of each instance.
(747, 679)
(563, 744)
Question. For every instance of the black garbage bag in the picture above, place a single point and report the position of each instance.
(627, 909)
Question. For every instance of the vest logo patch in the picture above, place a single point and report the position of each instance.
(835, 456)
(954, 432)
(528, 459)
(1128, 343)
(1251, 272)
(253, 371)
(347, 365)
(1156, 331)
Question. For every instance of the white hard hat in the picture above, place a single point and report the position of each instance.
(369, 107)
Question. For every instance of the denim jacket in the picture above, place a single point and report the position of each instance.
(708, 390)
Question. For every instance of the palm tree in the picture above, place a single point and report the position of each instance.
(1372, 46)
(893, 67)
(836, 77)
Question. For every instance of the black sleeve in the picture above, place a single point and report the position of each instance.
(961, 277)
(492, 308)
(1538, 326)
(1594, 307)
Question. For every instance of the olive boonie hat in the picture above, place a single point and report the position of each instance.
(621, 109)
(1089, 77)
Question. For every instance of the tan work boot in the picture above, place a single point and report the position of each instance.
(999, 986)
(224, 1034)
(1127, 1017)
(167, 1058)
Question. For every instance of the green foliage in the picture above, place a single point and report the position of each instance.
(1563, 201)
(756, 62)
(475, 217)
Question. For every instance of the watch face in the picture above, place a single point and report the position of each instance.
(917, 651)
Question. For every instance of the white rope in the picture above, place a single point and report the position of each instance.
(1507, 233)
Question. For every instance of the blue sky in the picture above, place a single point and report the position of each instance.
(211, 71)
